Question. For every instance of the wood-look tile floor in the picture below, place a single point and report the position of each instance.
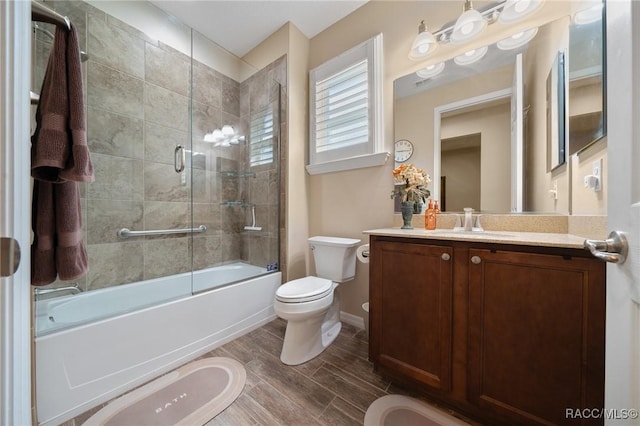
(335, 388)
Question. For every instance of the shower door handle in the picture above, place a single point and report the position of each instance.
(179, 159)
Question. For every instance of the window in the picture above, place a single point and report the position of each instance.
(346, 110)
(261, 138)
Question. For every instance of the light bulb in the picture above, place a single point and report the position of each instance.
(518, 39)
(217, 135)
(471, 56)
(424, 44)
(516, 10)
(431, 70)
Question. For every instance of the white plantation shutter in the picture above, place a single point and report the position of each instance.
(345, 105)
(342, 109)
(261, 137)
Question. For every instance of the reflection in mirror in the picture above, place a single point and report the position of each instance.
(474, 153)
(556, 113)
(425, 102)
(586, 96)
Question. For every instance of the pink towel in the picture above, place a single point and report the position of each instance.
(59, 159)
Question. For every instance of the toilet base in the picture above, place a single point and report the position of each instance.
(299, 346)
(306, 339)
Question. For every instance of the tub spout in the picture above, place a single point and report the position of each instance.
(74, 289)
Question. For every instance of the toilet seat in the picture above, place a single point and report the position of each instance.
(304, 290)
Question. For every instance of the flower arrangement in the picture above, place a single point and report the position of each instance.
(410, 183)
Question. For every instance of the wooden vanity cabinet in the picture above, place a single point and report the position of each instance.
(504, 334)
(412, 296)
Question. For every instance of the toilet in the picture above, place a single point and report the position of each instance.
(310, 305)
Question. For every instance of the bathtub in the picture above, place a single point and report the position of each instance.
(84, 359)
(69, 311)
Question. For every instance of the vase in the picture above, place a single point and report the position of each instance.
(406, 208)
(417, 207)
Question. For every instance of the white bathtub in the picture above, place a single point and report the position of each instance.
(97, 359)
(69, 311)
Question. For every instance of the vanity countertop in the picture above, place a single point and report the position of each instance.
(539, 239)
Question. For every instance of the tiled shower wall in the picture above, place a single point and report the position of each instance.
(139, 107)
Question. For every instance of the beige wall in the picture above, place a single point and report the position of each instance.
(461, 167)
(494, 125)
(539, 178)
(346, 203)
(414, 120)
(585, 201)
(290, 41)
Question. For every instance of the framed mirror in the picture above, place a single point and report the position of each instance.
(556, 113)
(514, 171)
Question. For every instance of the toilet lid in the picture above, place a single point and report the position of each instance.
(304, 290)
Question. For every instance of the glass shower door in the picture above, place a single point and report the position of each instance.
(137, 104)
(236, 136)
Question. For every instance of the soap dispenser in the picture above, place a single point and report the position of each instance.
(430, 216)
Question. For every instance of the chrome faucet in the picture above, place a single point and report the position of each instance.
(74, 289)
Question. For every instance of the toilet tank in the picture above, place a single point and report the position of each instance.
(335, 257)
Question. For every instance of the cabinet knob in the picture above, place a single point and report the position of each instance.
(445, 256)
(476, 260)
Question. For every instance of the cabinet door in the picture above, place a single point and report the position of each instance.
(411, 297)
(536, 336)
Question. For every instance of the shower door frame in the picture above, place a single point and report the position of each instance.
(15, 312)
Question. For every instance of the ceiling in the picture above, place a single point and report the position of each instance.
(240, 25)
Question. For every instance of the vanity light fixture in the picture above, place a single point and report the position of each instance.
(470, 24)
(516, 10)
(518, 39)
(471, 56)
(224, 137)
(431, 70)
(424, 43)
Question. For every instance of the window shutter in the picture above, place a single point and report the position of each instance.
(261, 138)
(342, 108)
(345, 110)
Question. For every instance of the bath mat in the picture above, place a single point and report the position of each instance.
(399, 410)
(191, 395)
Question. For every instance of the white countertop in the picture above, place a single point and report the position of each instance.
(539, 239)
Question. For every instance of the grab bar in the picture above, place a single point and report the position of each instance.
(35, 98)
(127, 233)
(41, 13)
(74, 289)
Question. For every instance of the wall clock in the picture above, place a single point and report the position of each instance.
(403, 150)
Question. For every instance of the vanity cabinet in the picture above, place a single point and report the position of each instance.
(413, 300)
(505, 334)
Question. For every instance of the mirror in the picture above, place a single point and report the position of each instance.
(481, 129)
(587, 118)
(556, 113)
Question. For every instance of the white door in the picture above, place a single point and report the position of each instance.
(622, 371)
(15, 338)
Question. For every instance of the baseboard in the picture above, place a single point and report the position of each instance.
(351, 319)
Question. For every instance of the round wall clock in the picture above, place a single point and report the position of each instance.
(403, 150)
